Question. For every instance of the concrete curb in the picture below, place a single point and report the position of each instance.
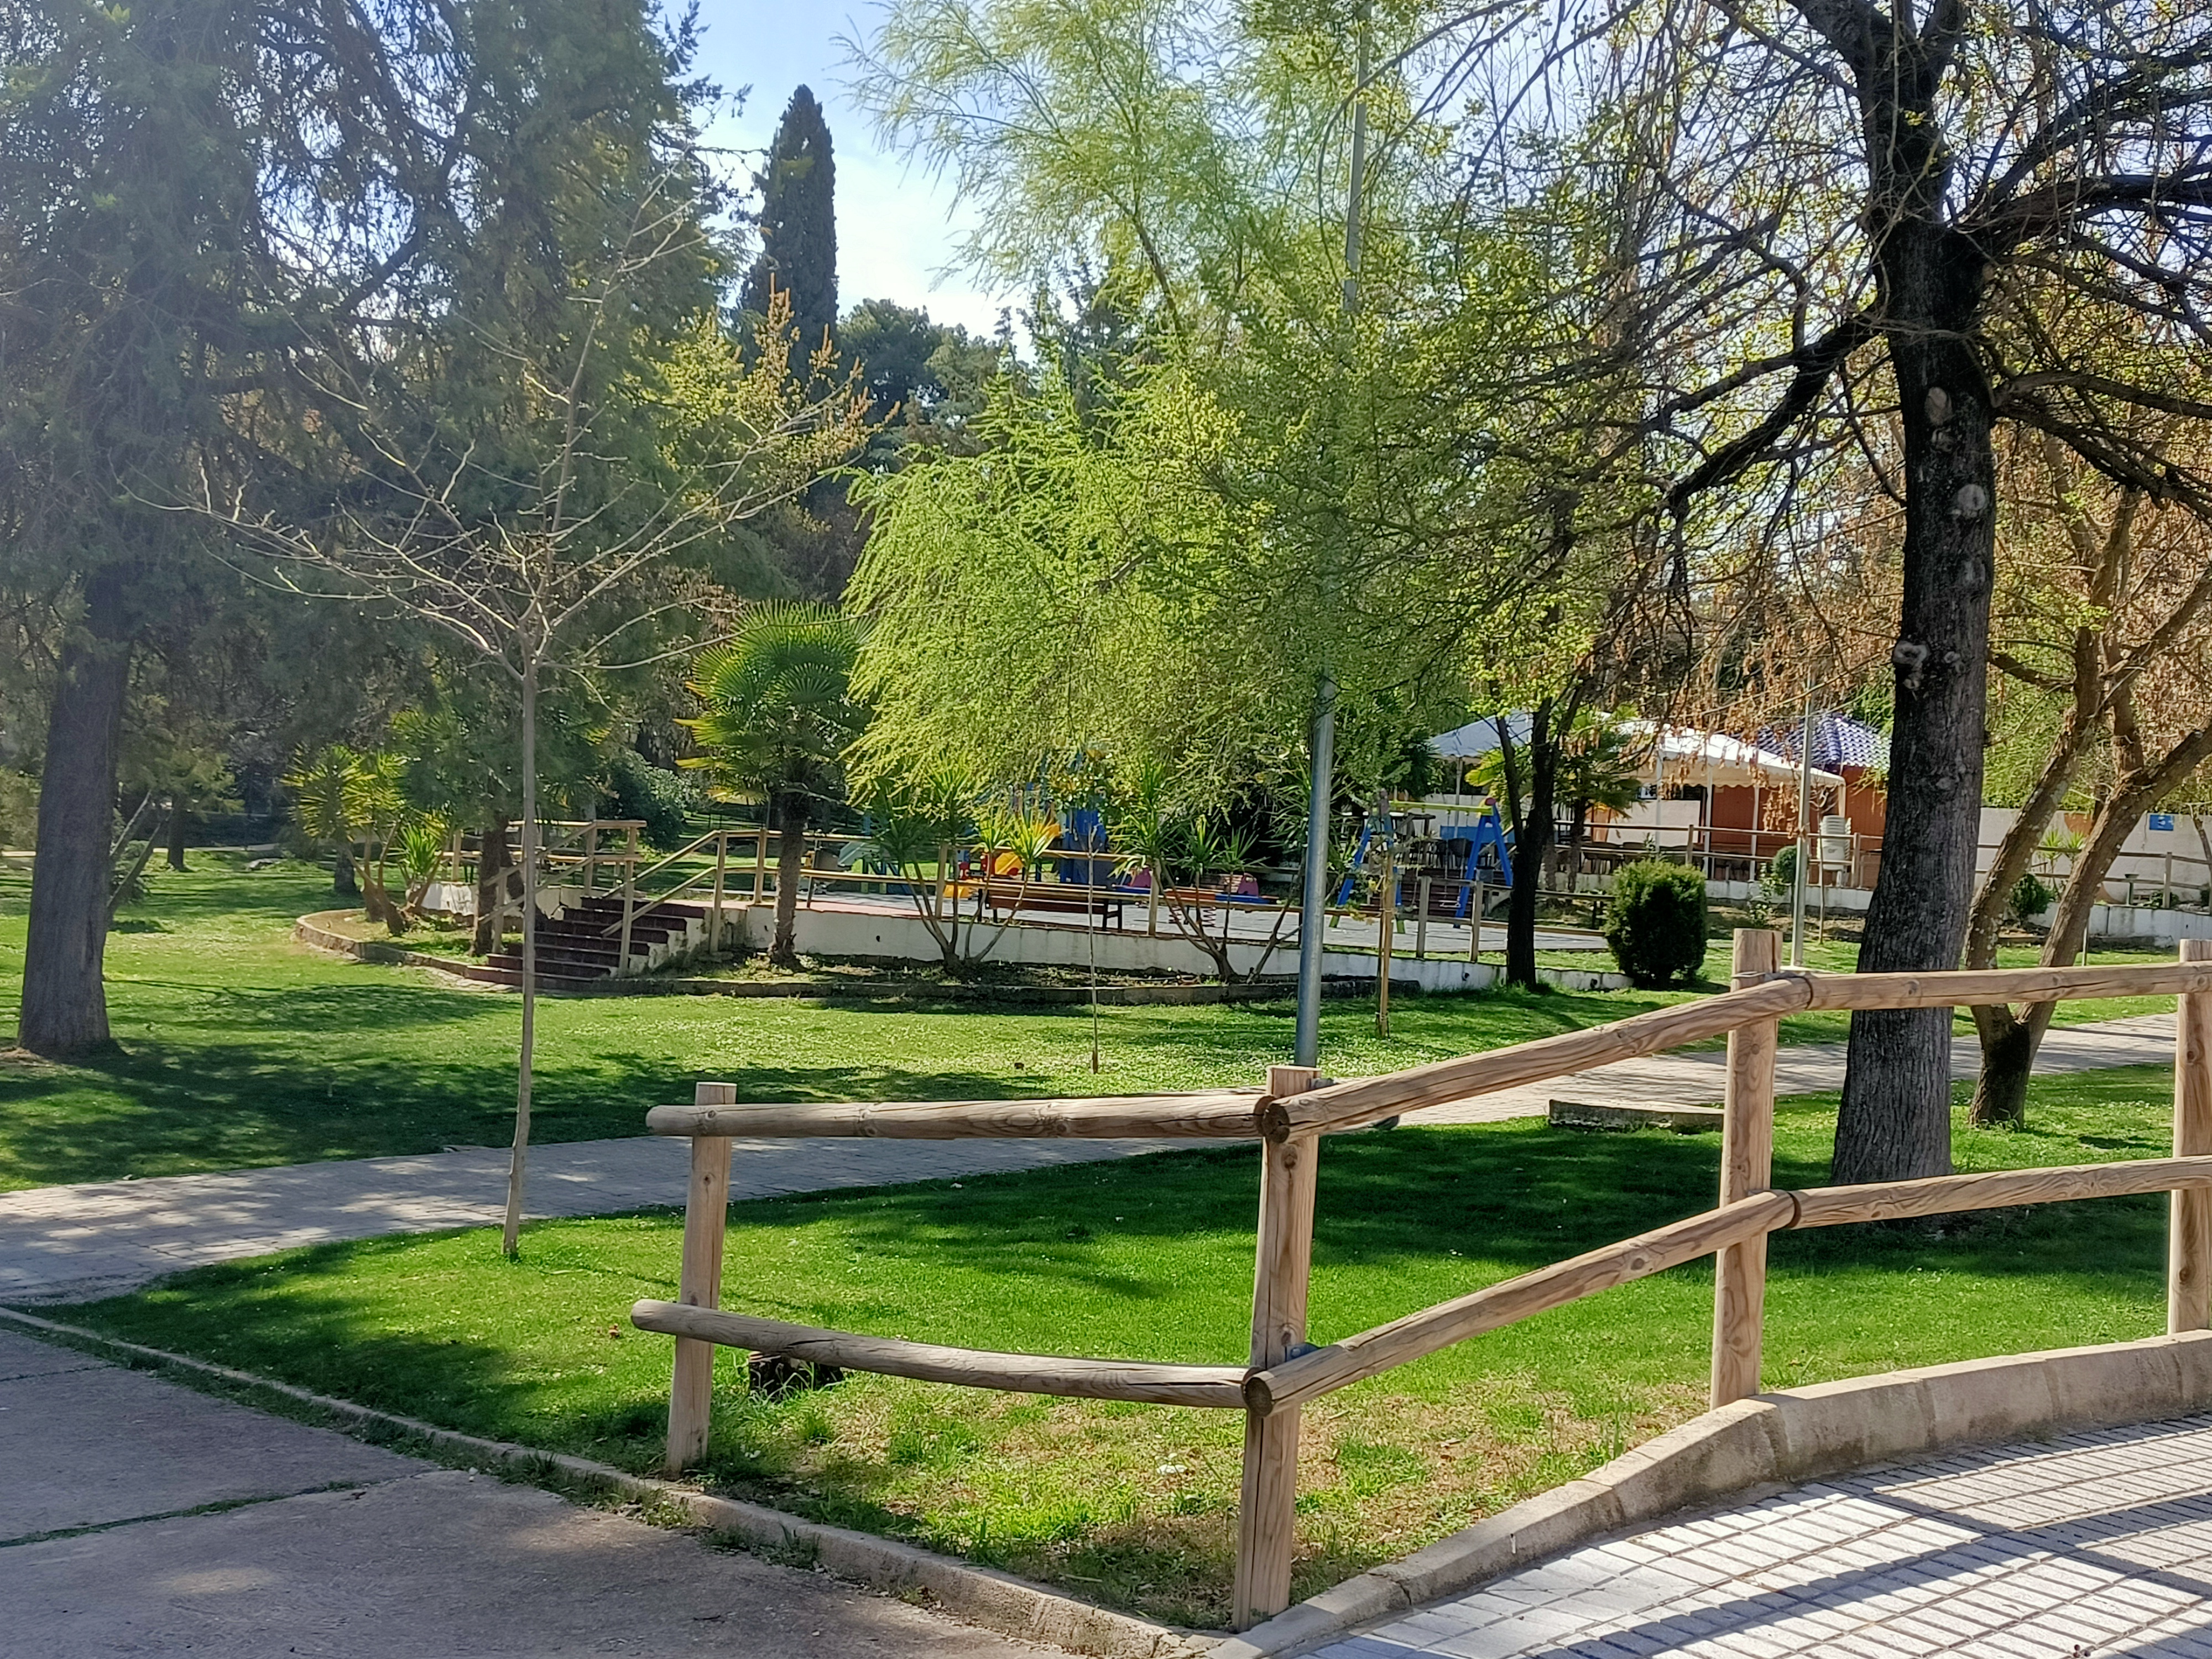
(1771, 1440)
(983, 1595)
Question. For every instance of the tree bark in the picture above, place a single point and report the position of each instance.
(1532, 841)
(176, 832)
(790, 857)
(65, 999)
(1895, 1121)
(2001, 1094)
(492, 866)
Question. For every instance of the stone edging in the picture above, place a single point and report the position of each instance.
(983, 1595)
(1771, 1440)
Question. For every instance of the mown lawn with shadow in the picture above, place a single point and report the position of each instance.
(1152, 1258)
(236, 1047)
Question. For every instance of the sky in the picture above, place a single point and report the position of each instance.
(895, 233)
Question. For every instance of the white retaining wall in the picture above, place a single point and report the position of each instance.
(905, 938)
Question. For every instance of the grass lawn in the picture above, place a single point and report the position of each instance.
(238, 1047)
(1152, 1258)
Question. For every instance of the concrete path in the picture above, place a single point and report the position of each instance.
(1806, 1068)
(2093, 1544)
(136, 1517)
(65, 1243)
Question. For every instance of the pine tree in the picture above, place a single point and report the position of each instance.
(798, 226)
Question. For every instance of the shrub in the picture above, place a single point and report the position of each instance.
(2031, 898)
(637, 788)
(1656, 922)
(1781, 877)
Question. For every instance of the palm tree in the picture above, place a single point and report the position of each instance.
(778, 715)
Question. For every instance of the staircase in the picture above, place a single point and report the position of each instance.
(582, 947)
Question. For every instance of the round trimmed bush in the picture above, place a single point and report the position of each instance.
(2030, 898)
(1655, 923)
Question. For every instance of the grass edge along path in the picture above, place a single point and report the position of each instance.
(1134, 1506)
(238, 1048)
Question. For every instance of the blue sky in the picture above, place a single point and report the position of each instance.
(893, 235)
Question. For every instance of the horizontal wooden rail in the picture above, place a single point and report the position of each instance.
(1323, 1370)
(1215, 1115)
(1964, 988)
(1347, 1105)
(1894, 1200)
(1017, 1373)
(1414, 1335)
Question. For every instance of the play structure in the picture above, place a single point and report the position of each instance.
(1454, 867)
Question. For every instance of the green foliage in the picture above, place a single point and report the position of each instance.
(2030, 898)
(637, 788)
(799, 227)
(1656, 922)
(1781, 877)
(778, 709)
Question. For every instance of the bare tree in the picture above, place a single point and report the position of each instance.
(1890, 232)
(575, 567)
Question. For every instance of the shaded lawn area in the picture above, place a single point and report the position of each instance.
(238, 1047)
(1151, 1258)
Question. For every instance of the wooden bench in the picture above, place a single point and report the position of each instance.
(1052, 895)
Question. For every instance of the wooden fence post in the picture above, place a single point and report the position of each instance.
(721, 858)
(2189, 1244)
(1267, 1519)
(1421, 920)
(1747, 1167)
(706, 1217)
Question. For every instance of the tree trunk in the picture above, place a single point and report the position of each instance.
(519, 1157)
(64, 1000)
(2001, 1094)
(491, 888)
(790, 857)
(1532, 842)
(2008, 1044)
(1895, 1121)
(176, 832)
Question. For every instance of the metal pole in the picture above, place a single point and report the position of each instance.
(1313, 912)
(1804, 841)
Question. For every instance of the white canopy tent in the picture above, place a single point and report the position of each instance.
(1682, 754)
(1673, 754)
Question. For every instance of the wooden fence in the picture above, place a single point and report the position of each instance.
(1291, 1116)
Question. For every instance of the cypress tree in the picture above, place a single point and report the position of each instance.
(798, 227)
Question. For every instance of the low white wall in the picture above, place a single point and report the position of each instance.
(905, 938)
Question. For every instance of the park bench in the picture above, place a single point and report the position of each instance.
(1042, 896)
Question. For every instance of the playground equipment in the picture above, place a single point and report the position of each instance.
(1452, 866)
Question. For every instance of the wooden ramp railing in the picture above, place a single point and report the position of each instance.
(1297, 1108)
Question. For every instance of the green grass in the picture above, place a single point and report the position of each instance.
(237, 1046)
(1151, 1258)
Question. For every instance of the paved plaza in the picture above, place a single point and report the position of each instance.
(136, 1517)
(2096, 1544)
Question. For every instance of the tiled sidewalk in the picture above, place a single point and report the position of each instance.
(2096, 1544)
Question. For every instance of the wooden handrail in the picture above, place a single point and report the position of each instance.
(1137, 1380)
(1296, 1110)
(1369, 1099)
(1217, 1115)
(1386, 1348)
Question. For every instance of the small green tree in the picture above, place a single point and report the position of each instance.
(779, 715)
(1656, 922)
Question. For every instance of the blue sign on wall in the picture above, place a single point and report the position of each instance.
(2162, 820)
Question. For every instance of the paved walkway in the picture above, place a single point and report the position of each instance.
(2097, 1544)
(136, 1517)
(64, 1244)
